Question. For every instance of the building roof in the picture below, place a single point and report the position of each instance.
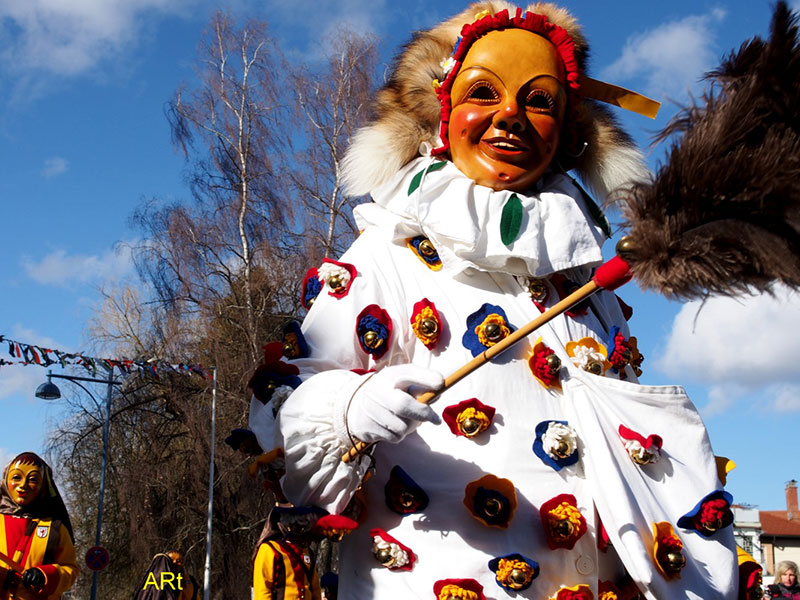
(777, 523)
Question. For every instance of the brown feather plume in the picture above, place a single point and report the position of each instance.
(722, 216)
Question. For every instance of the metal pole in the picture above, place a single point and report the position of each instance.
(207, 578)
(106, 426)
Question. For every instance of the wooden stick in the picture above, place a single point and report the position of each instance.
(15, 566)
(562, 306)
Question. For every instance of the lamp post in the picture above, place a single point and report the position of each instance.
(50, 391)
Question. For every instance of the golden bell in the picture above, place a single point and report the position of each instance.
(642, 458)
(493, 332)
(384, 556)
(713, 526)
(310, 301)
(407, 499)
(426, 248)
(538, 290)
(675, 561)
(562, 450)
(288, 350)
(553, 363)
(372, 340)
(517, 579)
(335, 282)
(562, 529)
(492, 507)
(625, 246)
(470, 427)
(270, 387)
(429, 326)
(594, 367)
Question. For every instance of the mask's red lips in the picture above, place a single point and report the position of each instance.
(504, 145)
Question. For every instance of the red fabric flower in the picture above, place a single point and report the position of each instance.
(400, 556)
(334, 526)
(426, 323)
(543, 370)
(338, 276)
(456, 415)
(606, 590)
(562, 521)
(713, 510)
(621, 351)
(374, 330)
(578, 592)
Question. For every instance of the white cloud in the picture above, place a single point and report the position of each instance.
(70, 37)
(670, 58)
(750, 341)
(20, 381)
(55, 166)
(787, 399)
(62, 269)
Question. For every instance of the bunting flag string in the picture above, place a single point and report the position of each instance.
(31, 354)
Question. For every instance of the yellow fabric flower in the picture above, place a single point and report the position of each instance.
(473, 413)
(489, 320)
(425, 313)
(454, 591)
(566, 512)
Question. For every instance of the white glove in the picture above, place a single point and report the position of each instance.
(383, 409)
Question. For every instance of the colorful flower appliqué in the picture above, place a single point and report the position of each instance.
(514, 571)
(491, 500)
(589, 354)
(563, 522)
(556, 444)
(403, 495)
(425, 251)
(334, 527)
(577, 592)
(338, 276)
(426, 323)
(486, 327)
(392, 554)
(643, 451)
(469, 418)
(545, 365)
(606, 590)
(312, 286)
(374, 329)
(272, 374)
(622, 352)
(458, 589)
(709, 515)
(294, 343)
(667, 550)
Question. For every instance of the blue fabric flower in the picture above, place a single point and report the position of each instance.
(709, 515)
(538, 448)
(431, 259)
(472, 340)
(404, 495)
(312, 286)
(294, 342)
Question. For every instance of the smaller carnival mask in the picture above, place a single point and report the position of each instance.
(24, 482)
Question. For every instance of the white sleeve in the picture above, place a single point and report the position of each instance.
(312, 420)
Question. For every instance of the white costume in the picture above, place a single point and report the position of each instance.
(557, 234)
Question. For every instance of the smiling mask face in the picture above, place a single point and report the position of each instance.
(508, 105)
(24, 482)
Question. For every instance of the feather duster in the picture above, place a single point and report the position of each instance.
(722, 215)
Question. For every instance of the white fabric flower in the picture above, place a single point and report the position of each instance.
(279, 396)
(557, 433)
(447, 64)
(641, 454)
(583, 355)
(398, 554)
(327, 270)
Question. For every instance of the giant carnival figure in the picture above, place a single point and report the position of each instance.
(550, 472)
(37, 556)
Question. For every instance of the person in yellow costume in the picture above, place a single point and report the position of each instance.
(37, 555)
(283, 566)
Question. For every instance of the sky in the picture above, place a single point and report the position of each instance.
(84, 141)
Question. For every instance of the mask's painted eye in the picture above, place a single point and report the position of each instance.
(482, 92)
(540, 101)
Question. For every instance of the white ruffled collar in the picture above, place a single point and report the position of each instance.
(463, 221)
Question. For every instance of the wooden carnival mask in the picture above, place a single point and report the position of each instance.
(24, 482)
(508, 105)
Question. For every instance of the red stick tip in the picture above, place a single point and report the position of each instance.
(612, 274)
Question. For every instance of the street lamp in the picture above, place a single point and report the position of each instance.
(50, 391)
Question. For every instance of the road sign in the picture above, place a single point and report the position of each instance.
(97, 558)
